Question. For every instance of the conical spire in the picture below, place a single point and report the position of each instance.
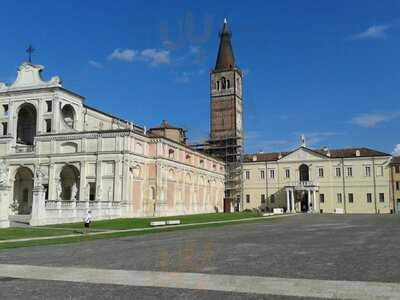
(225, 58)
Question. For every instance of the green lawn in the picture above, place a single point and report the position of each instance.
(21, 233)
(145, 222)
(85, 238)
(117, 224)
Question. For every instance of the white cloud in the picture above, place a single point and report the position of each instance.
(95, 64)
(155, 57)
(369, 120)
(371, 33)
(396, 151)
(126, 55)
(184, 77)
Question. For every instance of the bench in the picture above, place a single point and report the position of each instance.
(339, 211)
(173, 222)
(163, 223)
(158, 223)
(278, 211)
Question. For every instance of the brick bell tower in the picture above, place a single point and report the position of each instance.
(226, 129)
(226, 92)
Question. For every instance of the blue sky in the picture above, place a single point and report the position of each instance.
(329, 69)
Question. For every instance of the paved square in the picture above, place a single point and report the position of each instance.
(303, 253)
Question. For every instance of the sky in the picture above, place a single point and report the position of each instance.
(326, 69)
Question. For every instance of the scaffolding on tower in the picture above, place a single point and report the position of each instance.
(229, 150)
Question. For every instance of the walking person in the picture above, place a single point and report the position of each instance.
(87, 220)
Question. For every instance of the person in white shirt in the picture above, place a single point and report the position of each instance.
(87, 220)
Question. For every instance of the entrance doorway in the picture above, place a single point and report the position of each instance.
(23, 185)
(304, 201)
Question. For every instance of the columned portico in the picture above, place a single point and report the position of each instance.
(300, 197)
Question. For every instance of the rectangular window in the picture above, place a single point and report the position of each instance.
(49, 106)
(92, 191)
(262, 198)
(5, 108)
(338, 172)
(381, 197)
(48, 125)
(247, 175)
(5, 128)
(397, 185)
(379, 171)
(321, 172)
(321, 198)
(272, 174)
(351, 198)
(349, 171)
(287, 173)
(397, 169)
(339, 198)
(272, 198)
(262, 174)
(368, 171)
(247, 198)
(369, 197)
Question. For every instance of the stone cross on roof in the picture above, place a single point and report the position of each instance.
(30, 50)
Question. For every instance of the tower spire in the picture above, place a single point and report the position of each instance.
(225, 58)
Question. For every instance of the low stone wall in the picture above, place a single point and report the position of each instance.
(58, 212)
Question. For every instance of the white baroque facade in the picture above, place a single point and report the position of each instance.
(61, 158)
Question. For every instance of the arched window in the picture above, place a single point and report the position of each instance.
(228, 84)
(68, 115)
(217, 85)
(68, 188)
(304, 173)
(26, 124)
(23, 185)
(223, 83)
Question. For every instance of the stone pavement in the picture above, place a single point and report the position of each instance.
(310, 256)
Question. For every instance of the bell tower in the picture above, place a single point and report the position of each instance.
(226, 92)
(226, 126)
(226, 130)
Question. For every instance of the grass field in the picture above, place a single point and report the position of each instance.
(116, 224)
(21, 233)
(131, 223)
(86, 238)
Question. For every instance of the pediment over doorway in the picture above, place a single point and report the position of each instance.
(303, 154)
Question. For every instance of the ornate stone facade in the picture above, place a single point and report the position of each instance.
(87, 159)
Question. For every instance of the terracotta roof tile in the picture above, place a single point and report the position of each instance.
(334, 153)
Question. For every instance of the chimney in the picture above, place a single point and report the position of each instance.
(358, 153)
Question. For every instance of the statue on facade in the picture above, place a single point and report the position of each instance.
(39, 175)
(302, 140)
(74, 192)
(4, 173)
(59, 190)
